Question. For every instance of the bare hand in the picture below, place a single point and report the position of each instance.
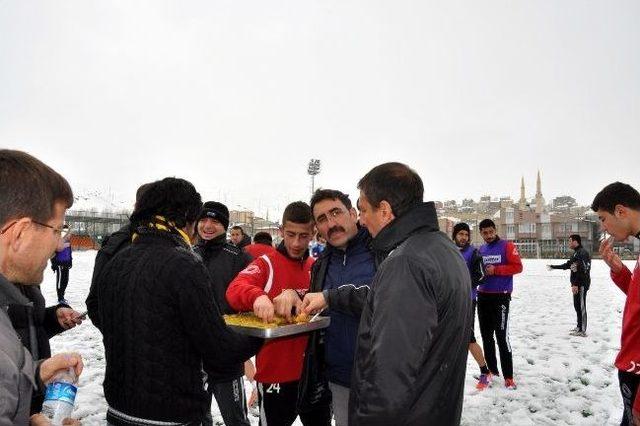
(68, 318)
(313, 302)
(549, 268)
(51, 366)
(574, 289)
(285, 302)
(609, 257)
(263, 308)
(490, 270)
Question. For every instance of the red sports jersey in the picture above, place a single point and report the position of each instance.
(279, 360)
(628, 358)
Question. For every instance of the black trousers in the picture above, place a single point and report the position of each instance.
(580, 305)
(493, 316)
(278, 406)
(629, 384)
(62, 280)
(232, 403)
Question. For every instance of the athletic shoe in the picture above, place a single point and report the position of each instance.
(574, 329)
(510, 384)
(578, 333)
(484, 381)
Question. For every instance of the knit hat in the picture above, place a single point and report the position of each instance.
(461, 226)
(215, 210)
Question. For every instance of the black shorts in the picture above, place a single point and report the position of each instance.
(472, 338)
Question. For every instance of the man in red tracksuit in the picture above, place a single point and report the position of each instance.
(274, 284)
(618, 208)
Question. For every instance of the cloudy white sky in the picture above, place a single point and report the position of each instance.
(237, 96)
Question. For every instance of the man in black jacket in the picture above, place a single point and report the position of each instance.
(414, 332)
(223, 261)
(160, 323)
(580, 265)
(111, 245)
(340, 282)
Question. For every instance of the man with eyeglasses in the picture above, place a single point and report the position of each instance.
(340, 281)
(33, 201)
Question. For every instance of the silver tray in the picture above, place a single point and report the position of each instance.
(283, 330)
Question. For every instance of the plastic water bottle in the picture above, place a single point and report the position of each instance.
(60, 397)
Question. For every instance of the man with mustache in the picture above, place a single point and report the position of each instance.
(340, 281)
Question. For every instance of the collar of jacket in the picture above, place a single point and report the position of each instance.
(638, 235)
(176, 239)
(214, 244)
(10, 295)
(283, 251)
(361, 239)
(423, 216)
(494, 241)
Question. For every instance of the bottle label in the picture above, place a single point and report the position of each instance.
(58, 391)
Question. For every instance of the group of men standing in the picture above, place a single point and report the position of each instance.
(400, 295)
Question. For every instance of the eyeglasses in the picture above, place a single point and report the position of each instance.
(63, 231)
(333, 214)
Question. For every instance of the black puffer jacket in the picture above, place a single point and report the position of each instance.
(414, 331)
(223, 261)
(35, 325)
(161, 326)
(110, 246)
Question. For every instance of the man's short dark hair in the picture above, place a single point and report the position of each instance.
(30, 188)
(237, 228)
(577, 238)
(614, 194)
(263, 238)
(175, 199)
(330, 194)
(487, 223)
(395, 183)
(297, 212)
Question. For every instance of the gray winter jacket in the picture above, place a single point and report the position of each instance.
(17, 368)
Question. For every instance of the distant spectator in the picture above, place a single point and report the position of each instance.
(61, 262)
(238, 237)
(262, 244)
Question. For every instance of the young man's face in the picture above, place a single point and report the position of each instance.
(488, 234)
(33, 246)
(209, 228)
(371, 218)
(573, 244)
(335, 223)
(236, 236)
(462, 238)
(296, 237)
(616, 224)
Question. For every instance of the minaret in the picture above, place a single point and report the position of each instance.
(522, 204)
(539, 198)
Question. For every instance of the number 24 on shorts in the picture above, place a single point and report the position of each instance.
(274, 388)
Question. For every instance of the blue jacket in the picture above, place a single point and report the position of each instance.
(341, 274)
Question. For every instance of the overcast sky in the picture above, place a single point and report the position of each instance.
(237, 96)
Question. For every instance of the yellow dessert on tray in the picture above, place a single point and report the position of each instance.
(248, 319)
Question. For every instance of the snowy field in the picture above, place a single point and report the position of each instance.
(562, 380)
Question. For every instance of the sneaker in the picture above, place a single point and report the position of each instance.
(510, 384)
(574, 329)
(578, 333)
(484, 381)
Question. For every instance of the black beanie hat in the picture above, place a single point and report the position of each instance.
(461, 226)
(215, 210)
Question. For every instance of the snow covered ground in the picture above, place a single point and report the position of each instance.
(562, 380)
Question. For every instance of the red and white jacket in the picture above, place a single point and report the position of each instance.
(628, 358)
(280, 360)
